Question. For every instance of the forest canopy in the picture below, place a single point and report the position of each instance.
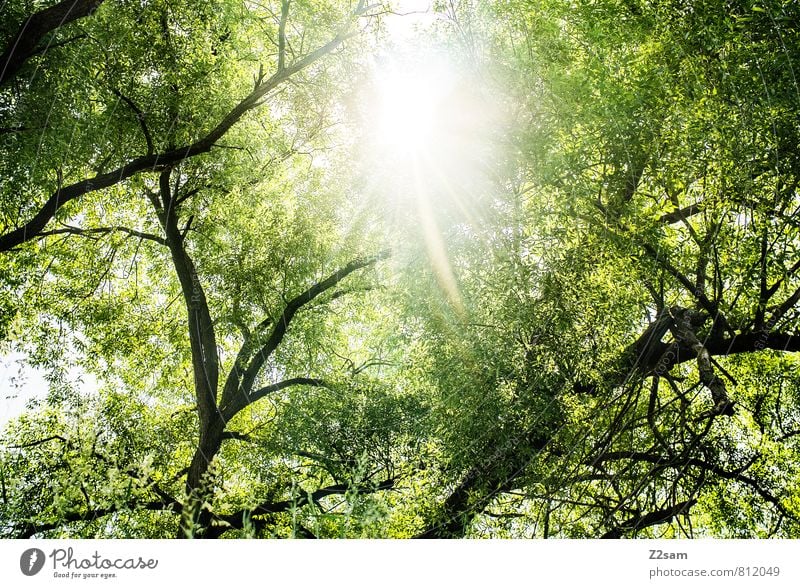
(326, 268)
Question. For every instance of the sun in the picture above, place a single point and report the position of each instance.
(410, 109)
(426, 142)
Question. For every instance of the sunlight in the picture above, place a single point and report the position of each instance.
(409, 109)
(428, 141)
(415, 134)
(429, 109)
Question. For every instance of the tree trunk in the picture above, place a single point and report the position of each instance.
(196, 516)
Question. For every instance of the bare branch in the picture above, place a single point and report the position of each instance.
(39, 442)
(50, 45)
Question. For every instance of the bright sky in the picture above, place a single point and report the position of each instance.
(430, 135)
(409, 15)
(18, 384)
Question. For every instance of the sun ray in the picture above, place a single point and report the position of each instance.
(426, 148)
(435, 246)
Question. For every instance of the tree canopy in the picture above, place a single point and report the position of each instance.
(338, 269)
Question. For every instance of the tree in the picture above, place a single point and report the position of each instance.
(658, 253)
(193, 205)
(575, 316)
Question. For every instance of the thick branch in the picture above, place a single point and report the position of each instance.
(245, 352)
(683, 330)
(647, 348)
(205, 360)
(676, 353)
(652, 519)
(238, 386)
(234, 408)
(681, 214)
(282, 34)
(17, 129)
(763, 291)
(23, 45)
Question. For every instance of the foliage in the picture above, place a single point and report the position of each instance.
(578, 318)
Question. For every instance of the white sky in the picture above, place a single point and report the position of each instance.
(18, 384)
(409, 15)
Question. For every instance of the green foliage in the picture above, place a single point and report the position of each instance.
(586, 323)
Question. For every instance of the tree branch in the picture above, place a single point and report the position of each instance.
(493, 475)
(774, 288)
(202, 338)
(681, 214)
(18, 129)
(40, 442)
(236, 393)
(236, 436)
(282, 35)
(23, 45)
(683, 462)
(65, 194)
(787, 305)
(763, 291)
(140, 116)
(684, 332)
(652, 519)
(700, 296)
(675, 353)
(31, 529)
(104, 231)
(229, 412)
